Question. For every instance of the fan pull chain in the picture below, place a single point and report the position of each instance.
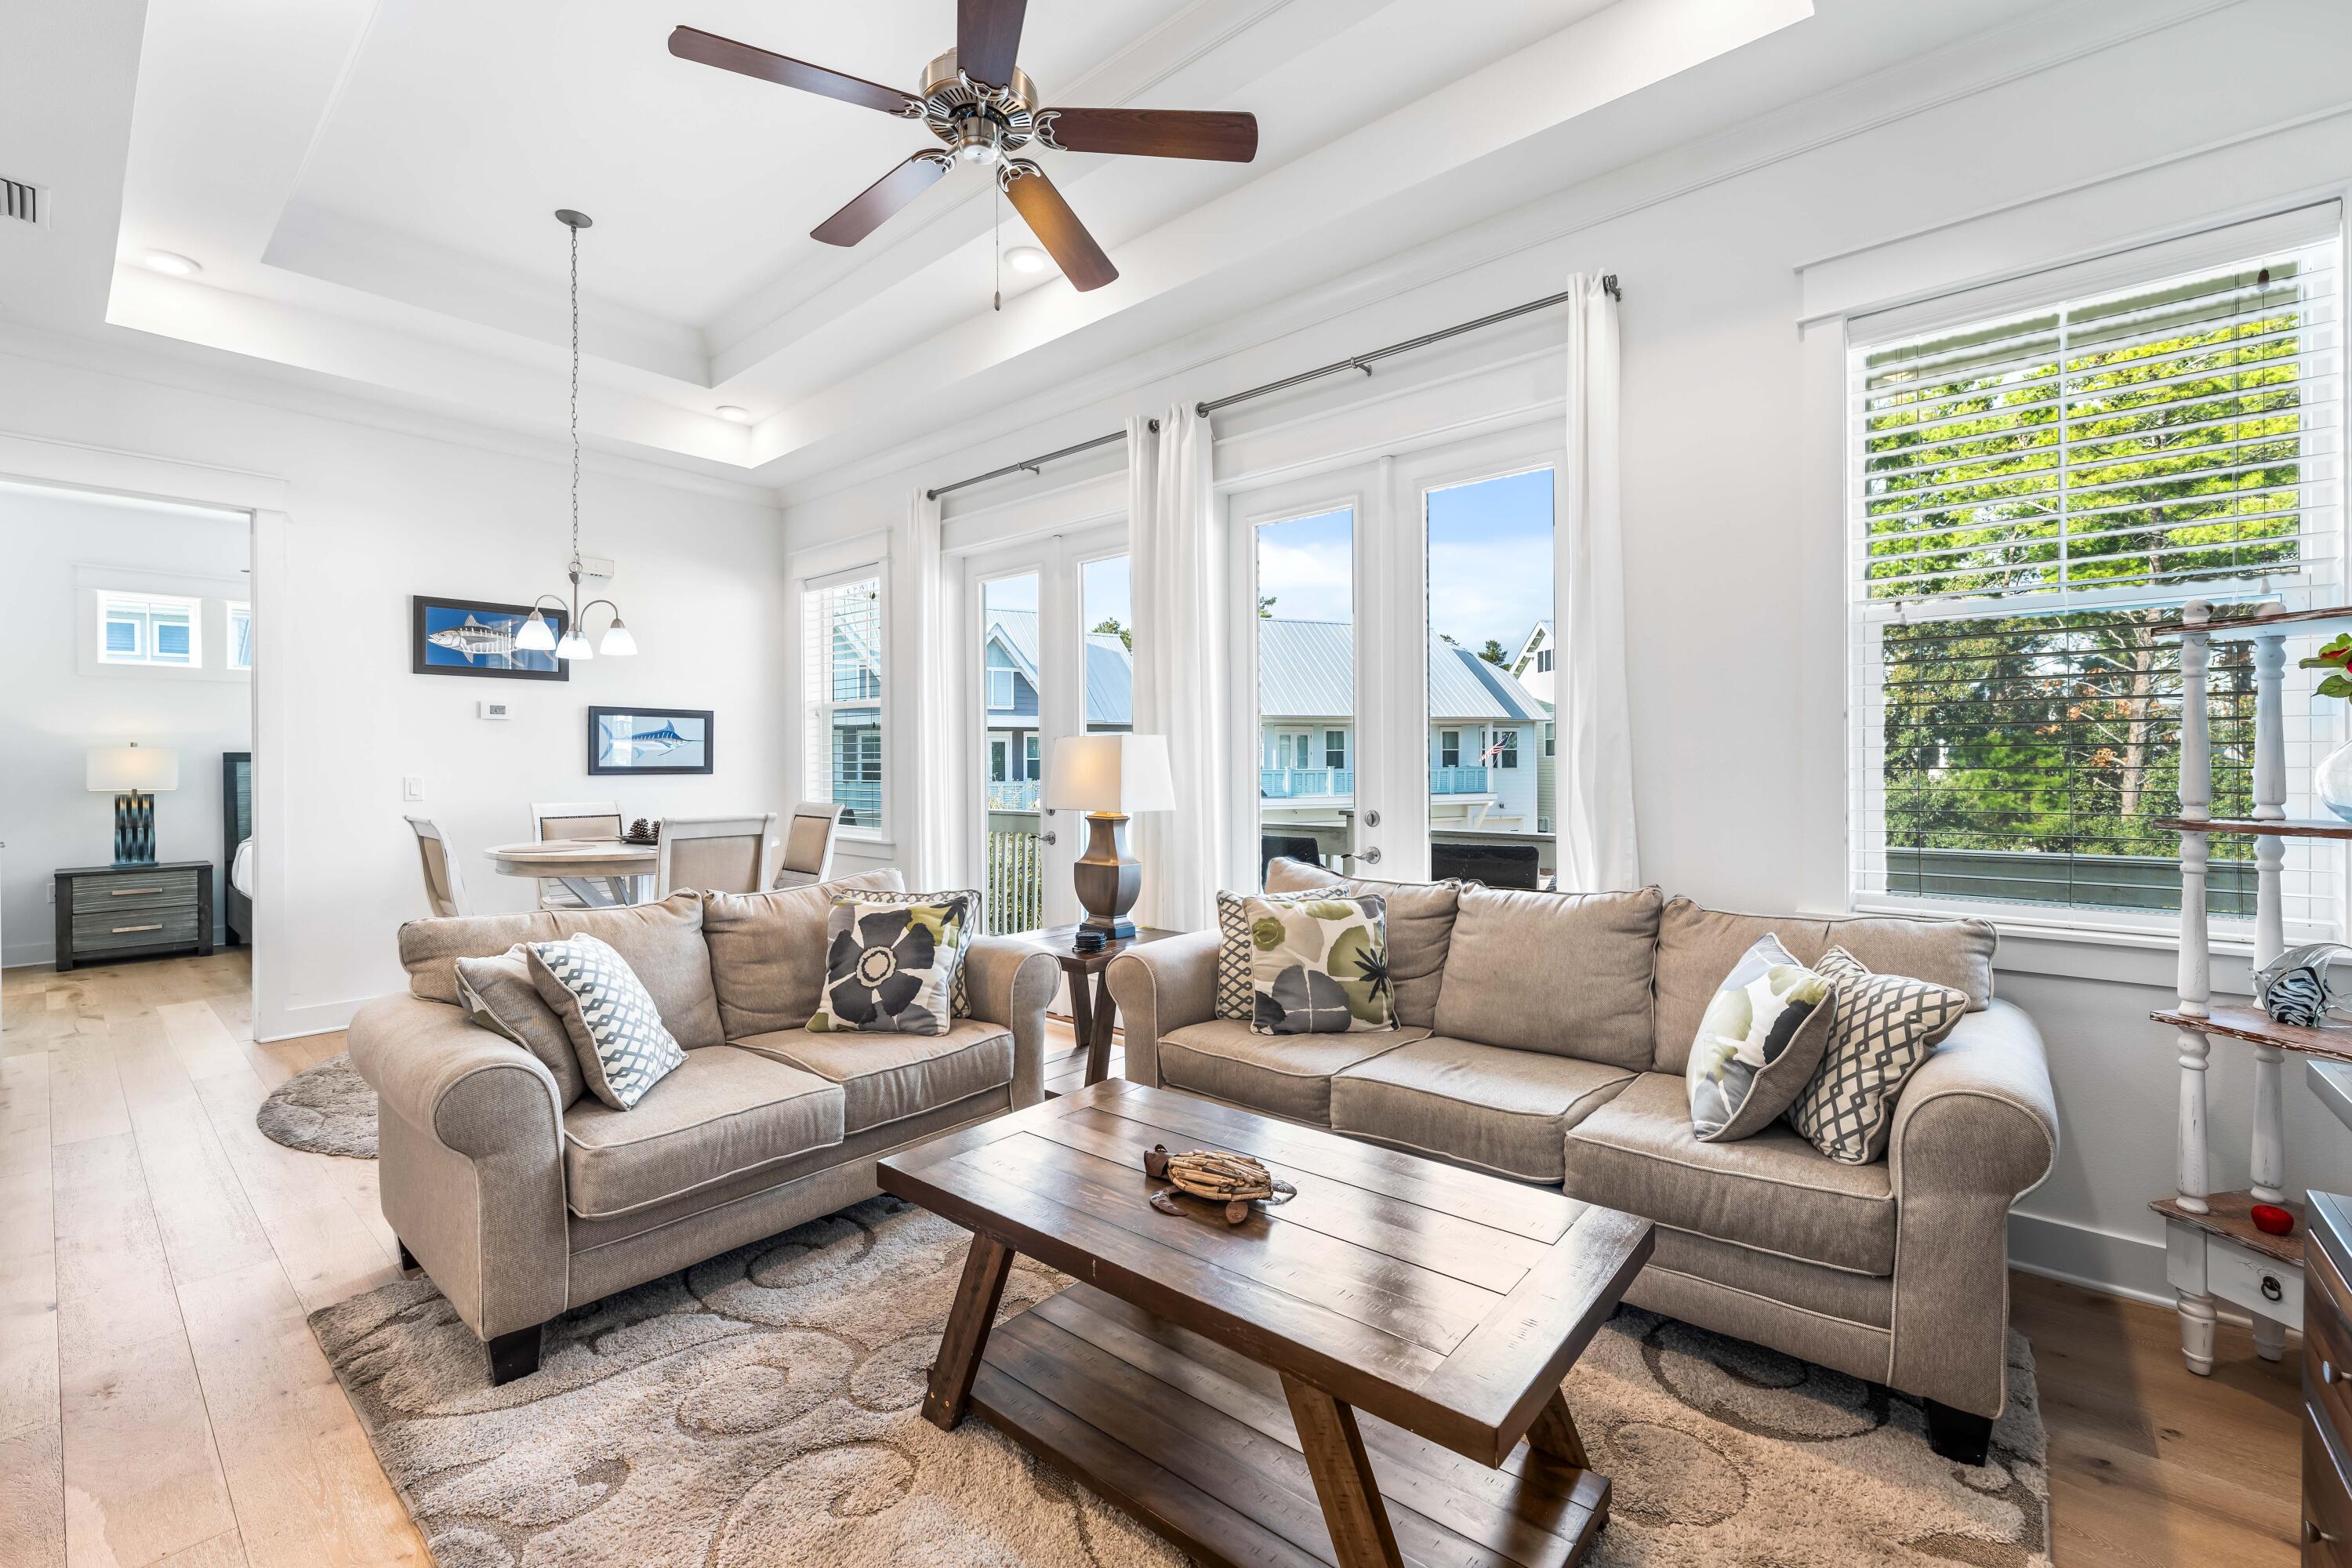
(575, 401)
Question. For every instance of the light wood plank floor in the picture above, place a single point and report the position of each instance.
(162, 1400)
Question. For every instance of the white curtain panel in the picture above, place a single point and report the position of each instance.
(940, 788)
(1179, 586)
(1594, 750)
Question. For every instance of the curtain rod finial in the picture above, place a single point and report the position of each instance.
(1609, 287)
(1153, 426)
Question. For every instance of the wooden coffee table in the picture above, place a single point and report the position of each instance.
(1378, 1346)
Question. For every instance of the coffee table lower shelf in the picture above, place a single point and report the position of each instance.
(1197, 1441)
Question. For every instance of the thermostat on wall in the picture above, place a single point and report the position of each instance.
(491, 709)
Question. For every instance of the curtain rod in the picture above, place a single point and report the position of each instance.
(1362, 362)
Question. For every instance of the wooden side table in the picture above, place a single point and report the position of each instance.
(1092, 1012)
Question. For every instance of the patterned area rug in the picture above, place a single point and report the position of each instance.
(325, 1110)
(762, 1409)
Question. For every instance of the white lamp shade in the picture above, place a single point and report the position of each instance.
(619, 641)
(118, 770)
(537, 636)
(1111, 773)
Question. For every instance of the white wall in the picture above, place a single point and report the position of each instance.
(57, 702)
(375, 514)
(1731, 543)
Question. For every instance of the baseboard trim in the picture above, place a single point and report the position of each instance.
(293, 1023)
(2073, 1254)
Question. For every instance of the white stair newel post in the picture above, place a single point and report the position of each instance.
(2269, 1163)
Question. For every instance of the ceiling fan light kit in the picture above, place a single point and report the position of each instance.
(986, 109)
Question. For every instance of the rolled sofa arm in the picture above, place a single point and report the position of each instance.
(1976, 1127)
(1161, 986)
(1012, 984)
(470, 1160)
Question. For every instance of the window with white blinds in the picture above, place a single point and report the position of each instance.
(841, 664)
(2035, 489)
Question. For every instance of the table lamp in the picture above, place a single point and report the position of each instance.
(1110, 778)
(132, 774)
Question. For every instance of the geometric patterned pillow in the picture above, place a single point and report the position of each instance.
(616, 1030)
(1884, 1028)
(961, 1003)
(1234, 998)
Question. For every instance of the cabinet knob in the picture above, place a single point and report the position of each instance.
(2271, 1288)
(2312, 1533)
(2328, 1373)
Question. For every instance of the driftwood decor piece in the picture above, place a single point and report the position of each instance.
(1235, 1180)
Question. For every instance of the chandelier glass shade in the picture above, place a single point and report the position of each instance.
(537, 633)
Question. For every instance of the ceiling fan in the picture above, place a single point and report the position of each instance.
(986, 109)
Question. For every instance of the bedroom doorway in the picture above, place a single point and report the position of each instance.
(125, 838)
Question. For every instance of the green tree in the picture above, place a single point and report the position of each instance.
(1111, 628)
(1492, 653)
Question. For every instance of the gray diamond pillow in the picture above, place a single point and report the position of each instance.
(616, 1031)
(1884, 1027)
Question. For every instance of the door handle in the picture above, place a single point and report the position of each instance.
(1371, 857)
(1047, 837)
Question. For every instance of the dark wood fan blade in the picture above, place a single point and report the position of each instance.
(882, 199)
(1152, 132)
(711, 49)
(1057, 228)
(988, 36)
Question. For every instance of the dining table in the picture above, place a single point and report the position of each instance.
(600, 872)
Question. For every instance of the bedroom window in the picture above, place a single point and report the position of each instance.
(841, 620)
(240, 636)
(148, 628)
(2035, 490)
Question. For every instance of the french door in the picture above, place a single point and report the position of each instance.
(1393, 684)
(1052, 656)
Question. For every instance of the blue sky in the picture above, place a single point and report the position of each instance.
(1490, 555)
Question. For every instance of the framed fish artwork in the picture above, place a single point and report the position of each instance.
(649, 740)
(468, 637)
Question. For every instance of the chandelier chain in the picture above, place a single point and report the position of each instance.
(576, 395)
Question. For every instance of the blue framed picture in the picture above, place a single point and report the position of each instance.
(468, 637)
(649, 740)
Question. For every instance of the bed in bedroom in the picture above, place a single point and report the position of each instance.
(236, 844)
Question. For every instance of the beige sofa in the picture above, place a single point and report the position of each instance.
(1543, 1037)
(522, 1197)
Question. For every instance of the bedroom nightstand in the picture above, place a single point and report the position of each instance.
(132, 911)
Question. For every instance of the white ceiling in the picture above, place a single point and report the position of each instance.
(369, 185)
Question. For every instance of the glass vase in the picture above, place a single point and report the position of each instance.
(2331, 781)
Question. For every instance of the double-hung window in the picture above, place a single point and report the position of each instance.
(149, 628)
(841, 664)
(2041, 475)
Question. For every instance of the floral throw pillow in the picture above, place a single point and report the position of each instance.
(1759, 1042)
(1233, 997)
(961, 1003)
(890, 968)
(1320, 966)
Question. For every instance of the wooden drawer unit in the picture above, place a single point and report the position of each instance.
(124, 911)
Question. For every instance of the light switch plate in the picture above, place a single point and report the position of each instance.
(412, 788)
(490, 710)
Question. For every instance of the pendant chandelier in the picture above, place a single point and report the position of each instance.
(537, 634)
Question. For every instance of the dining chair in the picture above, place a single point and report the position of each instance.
(715, 854)
(445, 890)
(570, 819)
(808, 844)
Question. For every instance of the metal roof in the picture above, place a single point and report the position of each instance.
(1306, 670)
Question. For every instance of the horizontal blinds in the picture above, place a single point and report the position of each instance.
(842, 676)
(2031, 496)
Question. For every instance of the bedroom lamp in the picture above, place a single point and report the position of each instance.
(1110, 778)
(131, 774)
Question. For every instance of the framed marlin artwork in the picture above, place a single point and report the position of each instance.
(468, 637)
(649, 740)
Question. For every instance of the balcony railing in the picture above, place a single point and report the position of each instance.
(1305, 784)
(1013, 794)
(1460, 781)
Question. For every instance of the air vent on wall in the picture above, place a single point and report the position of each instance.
(20, 200)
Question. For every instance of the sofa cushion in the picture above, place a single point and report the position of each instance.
(1773, 1191)
(1698, 947)
(1563, 973)
(888, 1078)
(662, 944)
(1502, 1111)
(723, 1112)
(499, 994)
(1282, 1075)
(767, 951)
(1421, 925)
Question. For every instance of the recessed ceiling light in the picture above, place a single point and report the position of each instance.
(1026, 259)
(171, 263)
(734, 416)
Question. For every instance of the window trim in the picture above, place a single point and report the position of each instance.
(2119, 269)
